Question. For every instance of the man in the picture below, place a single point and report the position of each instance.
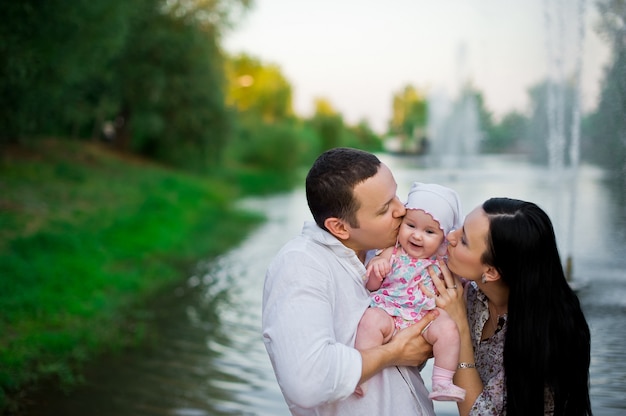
(314, 297)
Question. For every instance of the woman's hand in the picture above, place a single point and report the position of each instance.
(450, 297)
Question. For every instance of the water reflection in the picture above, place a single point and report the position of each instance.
(207, 357)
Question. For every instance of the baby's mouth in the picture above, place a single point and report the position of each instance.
(415, 244)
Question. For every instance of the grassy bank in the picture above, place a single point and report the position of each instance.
(85, 237)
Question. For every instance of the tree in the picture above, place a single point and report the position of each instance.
(363, 137)
(328, 123)
(268, 137)
(538, 130)
(153, 65)
(51, 59)
(459, 127)
(259, 88)
(218, 15)
(171, 82)
(409, 118)
(507, 136)
(607, 144)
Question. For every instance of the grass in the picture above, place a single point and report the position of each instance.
(85, 237)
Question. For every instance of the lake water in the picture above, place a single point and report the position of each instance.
(207, 356)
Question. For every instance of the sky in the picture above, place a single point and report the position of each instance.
(358, 53)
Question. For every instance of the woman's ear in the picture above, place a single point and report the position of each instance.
(337, 228)
(491, 274)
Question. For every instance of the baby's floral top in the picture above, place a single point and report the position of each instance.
(400, 294)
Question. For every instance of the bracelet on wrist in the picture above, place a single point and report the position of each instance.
(467, 365)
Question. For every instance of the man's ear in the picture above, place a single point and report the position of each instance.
(491, 274)
(337, 228)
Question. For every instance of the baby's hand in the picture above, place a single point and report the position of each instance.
(378, 268)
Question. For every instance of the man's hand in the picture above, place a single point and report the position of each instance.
(414, 348)
(407, 348)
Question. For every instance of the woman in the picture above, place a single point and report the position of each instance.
(525, 343)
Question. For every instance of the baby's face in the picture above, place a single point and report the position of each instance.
(420, 235)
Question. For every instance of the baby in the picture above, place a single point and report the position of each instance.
(394, 277)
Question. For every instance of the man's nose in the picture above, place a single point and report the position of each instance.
(399, 210)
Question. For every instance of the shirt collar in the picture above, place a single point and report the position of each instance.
(326, 239)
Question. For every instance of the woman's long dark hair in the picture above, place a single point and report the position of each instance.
(547, 345)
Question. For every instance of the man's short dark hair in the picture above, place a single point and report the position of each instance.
(331, 180)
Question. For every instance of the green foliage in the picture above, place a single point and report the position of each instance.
(263, 182)
(507, 136)
(258, 88)
(606, 127)
(50, 59)
(153, 66)
(363, 137)
(270, 144)
(85, 239)
(328, 124)
(214, 14)
(170, 82)
(329, 128)
(409, 111)
(273, 146)
(266, 157)
(485, 117)
(538, 128)
(409, 118)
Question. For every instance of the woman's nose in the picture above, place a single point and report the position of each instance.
(451, 237)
